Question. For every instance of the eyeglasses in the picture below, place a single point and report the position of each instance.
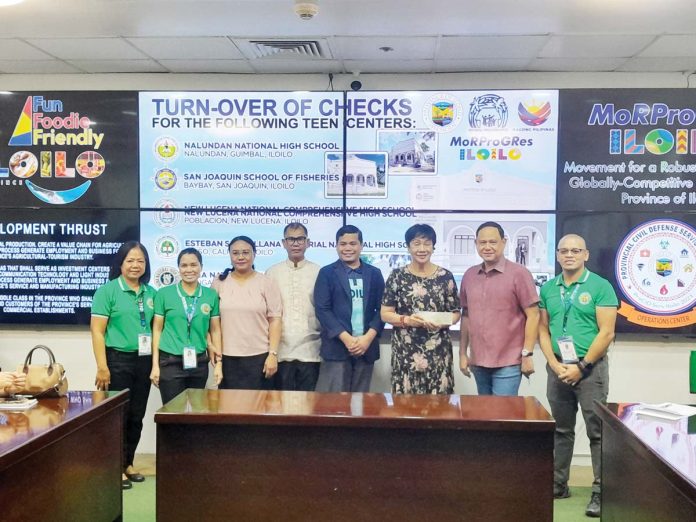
(295, 240)
(574, 251)
(241, 253)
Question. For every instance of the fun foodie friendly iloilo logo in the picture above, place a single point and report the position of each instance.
(49, 138)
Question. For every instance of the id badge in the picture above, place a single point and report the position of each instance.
(190, 358)
(144, 344)
(567, 348)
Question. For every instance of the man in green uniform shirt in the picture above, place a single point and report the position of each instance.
(578, 314)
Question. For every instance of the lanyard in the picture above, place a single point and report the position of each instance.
(189, 310)
(567, 304)
(141, 309)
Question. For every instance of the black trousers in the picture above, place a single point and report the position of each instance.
(174, 379)
(244, 373)
(131, 371)
(297, 375)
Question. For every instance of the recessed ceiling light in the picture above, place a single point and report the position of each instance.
(3, 3)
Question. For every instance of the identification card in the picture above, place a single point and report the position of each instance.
(189, 358)
(144, 344)
(567, 348)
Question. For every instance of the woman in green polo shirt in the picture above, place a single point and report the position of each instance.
(122, 312)
(185, 314)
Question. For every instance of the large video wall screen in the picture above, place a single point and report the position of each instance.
(180, 169)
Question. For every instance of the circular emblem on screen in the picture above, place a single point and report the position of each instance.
(166, 217)
(90, 164)
(533, 113)
(165, 179)
(23, 164)
(442, 112)
(165, 276)
(655, 267)
(167, 247)
(166, 148)
(205, 309)
(488, 111)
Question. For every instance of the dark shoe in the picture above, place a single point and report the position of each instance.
(135, 477)
(594, 508)
(126, 484)
(561, 491)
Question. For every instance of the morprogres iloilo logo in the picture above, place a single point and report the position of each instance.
(47, 137)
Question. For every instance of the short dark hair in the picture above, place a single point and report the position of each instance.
(349, 229)
(420, 230)
(491, 224)
(294, 225)
(246, 239)
(187, 251)
(120, 256)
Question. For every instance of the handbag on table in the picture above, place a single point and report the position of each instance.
(43, 380)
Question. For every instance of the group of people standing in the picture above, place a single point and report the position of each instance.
(301, 327)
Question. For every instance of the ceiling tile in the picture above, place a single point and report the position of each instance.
(296, 66)
(672, 45)
(207, 66)
(383, 66)
(368, 47)
(88, 48)
(477, 47)
(188, 48)
(499, 64)
(594, 45)
(575, 64)
(645, 64)
(14, 49)
(36, 67)
(118, 66)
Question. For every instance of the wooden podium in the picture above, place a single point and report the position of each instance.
(61, 459)
(304, 456)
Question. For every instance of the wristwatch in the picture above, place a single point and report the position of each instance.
(527, 353)
(272, 352)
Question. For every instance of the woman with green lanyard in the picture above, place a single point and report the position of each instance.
(185, 313)
(122, 312)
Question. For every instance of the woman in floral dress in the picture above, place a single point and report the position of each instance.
(421, 344)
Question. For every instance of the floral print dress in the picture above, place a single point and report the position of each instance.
(421, 360)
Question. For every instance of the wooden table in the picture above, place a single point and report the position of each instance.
(648, 467)
(304, 456)
(61, 459)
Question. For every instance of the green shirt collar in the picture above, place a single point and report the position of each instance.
(124, 286)
(583, 278)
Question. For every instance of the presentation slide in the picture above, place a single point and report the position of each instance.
(239, 149)
(627, 150)
(455, 150)
(166, 232)
(69, 149)
(52, 261)
(530, 241)
(650, 259)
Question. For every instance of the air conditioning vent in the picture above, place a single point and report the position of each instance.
(299, 49)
